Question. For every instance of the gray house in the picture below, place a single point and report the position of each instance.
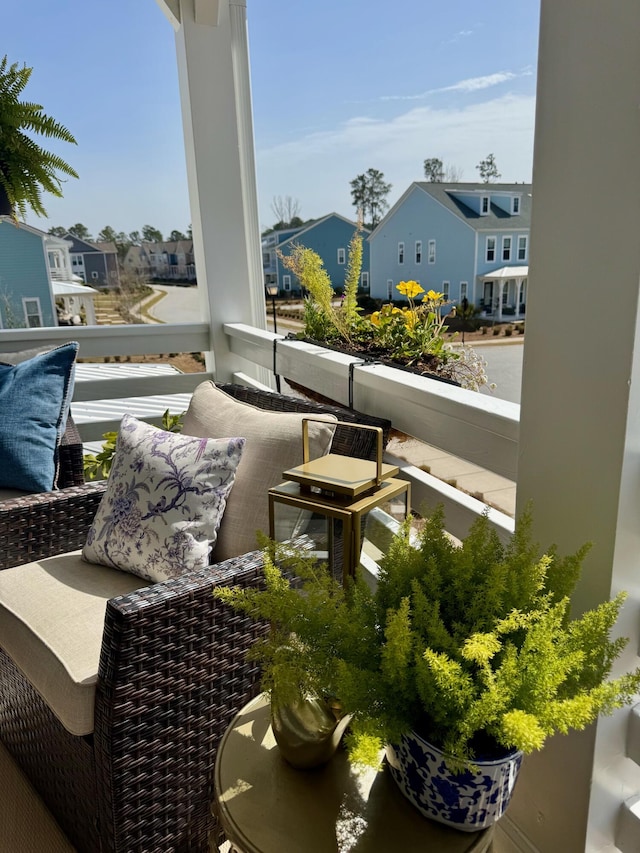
(463, 240)
(95, 263)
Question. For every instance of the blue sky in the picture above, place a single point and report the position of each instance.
(338, 87)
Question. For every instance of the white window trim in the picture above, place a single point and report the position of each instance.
(507, 237)
(342, 256)
(286, 282)
(486, 249)
(401, 253)
(35, 299)
(515, 202)
(431, 252)
(446, 290)
(364, 280)
(418, 251)
(464, 290)
(524, 238)
(389, 288)
(482, 201)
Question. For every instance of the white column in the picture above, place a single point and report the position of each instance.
(579, 454)
(215, 90)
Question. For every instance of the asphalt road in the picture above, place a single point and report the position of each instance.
(504, 367)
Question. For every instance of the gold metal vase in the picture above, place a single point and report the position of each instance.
(308, 731)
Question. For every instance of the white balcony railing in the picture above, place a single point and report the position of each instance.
(478, 428)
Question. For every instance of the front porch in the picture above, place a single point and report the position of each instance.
(504, 294)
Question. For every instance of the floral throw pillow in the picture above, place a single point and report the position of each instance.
(166, 494)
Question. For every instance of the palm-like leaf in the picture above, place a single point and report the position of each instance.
(26, 169)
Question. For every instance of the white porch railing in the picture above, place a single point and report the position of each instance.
(472, 426)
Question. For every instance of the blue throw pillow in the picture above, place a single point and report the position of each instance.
(34, 404)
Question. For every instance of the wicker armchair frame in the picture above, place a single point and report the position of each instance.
(173, 672)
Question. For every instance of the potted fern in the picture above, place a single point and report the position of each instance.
(462, 659)
(26, 169)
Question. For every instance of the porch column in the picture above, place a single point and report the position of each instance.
(500, 283)
(213, 70)
(579, 453)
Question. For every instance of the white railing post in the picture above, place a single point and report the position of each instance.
(580, 412)
(215, 91)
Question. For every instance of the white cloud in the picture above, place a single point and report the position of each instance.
(316, 168)
(471, 84)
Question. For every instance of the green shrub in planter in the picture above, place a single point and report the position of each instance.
(468, 646)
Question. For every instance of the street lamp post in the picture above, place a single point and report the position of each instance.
(465, 308)
(271, 291)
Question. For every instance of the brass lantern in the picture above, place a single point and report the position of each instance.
(330, 501)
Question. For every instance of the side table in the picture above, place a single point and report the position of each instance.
(266, 806)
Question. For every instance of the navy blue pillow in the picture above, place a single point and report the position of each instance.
(34, 404)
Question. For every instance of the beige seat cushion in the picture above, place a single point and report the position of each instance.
(51, 622)
(273, 444)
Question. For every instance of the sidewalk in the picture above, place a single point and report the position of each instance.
(484, 485)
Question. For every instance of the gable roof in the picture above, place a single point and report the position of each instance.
(310, 225)
(108, 248)
(448, 195)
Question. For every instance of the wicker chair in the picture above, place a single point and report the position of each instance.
(172, 674)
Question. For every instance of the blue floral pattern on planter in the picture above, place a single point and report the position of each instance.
(164, 502)
(466, 800)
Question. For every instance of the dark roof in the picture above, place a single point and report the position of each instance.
(448, 195)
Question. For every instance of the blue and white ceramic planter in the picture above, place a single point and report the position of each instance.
(469, 801)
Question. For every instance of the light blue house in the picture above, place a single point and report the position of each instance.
(464, 240)
(329, 237)
(35, 272)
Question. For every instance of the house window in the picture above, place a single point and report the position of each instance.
(506, 248)
(286, 282)
(431, 252)
(266, 259)
(364, 281)
(418, 251)
(445, 290)
(342, 257)
(32, 313)
(464, 290)
(505, 295)
(400, 253)
(515, 205)
(389, 288)
(522, 247)
(484, 205)
(491, 250)
(94, 275)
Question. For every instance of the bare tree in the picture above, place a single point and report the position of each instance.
(453, 174)
(285, 208)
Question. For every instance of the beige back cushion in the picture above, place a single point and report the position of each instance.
(273, 444)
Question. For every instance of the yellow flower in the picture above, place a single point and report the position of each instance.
(432, 296)
(410, 319)
(409, 288)
(375, 318)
